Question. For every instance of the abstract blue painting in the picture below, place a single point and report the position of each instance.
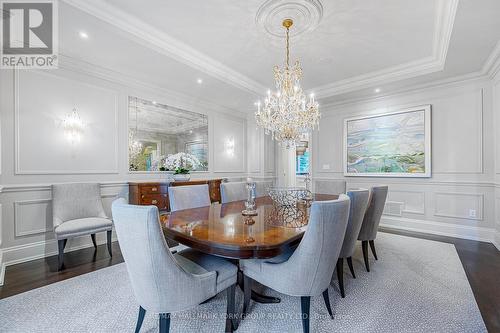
(392, 145)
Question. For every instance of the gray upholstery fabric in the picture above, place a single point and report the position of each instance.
(233, 191)
(262, 187)
(330, 186)
(74, 203)
(359, 203)
(162, 282)
(378, 195)
(309, 270)
(80, 227)
(236, 191)
(226, 272)
(186, 197)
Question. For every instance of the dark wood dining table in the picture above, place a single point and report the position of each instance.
(222, 230)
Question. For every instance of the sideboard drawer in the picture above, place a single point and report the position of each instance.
(153, 189)
(159, 200)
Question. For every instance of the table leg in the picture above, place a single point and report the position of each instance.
(257, 297)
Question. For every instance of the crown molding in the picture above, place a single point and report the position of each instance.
(445, 18)
(77, 65)
(165, 44)
(492, 65)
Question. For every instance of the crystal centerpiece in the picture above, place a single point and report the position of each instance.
(289, 196)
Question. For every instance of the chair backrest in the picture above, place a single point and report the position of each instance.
(186, 197)
(159, 283)
(378, 196)
(359, 203)
(261, 188)
(333, 186)
(76, 201)
(313, 262)
(233, 191)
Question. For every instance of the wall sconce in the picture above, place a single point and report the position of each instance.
(73, 127)
(229, 146)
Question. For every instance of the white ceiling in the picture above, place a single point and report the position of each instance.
(358, 45)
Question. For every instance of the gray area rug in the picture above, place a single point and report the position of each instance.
(415, 286)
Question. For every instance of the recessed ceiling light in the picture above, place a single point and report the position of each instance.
(83, 35)
(377, 90)
(200, 81)
(154, 102)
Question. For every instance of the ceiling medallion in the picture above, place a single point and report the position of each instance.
(306, 15)
(286, 114)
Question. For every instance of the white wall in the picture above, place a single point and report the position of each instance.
(496, 110)
(35, 153)
(463, 163)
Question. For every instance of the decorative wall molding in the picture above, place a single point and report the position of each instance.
(405, 209)
(165, 44)
(13, 188)
(416, 182)
(2, 268)
(445, 18)
(175, 49)
(17, 152)
(18, 217)
(480, 205)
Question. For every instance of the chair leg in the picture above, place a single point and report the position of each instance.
(351, 267)
(305, 305)
(247, 291)
(326, 297)
(60, 245)
(372, 247)
(231, 322)
(164, 322)
(340, 276)
(140, 319)
(108, 235)
(93, 240)
(364, 245)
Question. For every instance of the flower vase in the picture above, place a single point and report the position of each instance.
(182, 177)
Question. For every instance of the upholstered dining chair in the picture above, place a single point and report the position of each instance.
(359, 202)
(163, 282)
(309, 269)
(77, 210)
(261, 188)
(368, 232)
(330, 186)
(190, 196)
(233, 191)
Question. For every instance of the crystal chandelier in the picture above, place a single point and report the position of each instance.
(286, 114)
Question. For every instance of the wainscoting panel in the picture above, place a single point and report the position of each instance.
(32, 217)
(41, 103)
(468, 206)
(227, 159)
(413, 201)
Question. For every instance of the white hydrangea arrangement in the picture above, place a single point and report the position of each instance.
(181, 163)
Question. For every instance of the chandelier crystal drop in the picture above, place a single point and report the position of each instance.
(286, 114)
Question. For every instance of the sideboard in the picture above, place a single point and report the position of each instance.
(156, 193)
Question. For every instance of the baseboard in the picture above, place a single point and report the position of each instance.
(439, 228)
(496, 240)
(2, 268)
(27, 252)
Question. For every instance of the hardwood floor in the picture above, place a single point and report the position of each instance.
(481, 262)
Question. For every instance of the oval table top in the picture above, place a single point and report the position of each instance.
(221, 229)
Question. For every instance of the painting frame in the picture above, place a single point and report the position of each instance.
(427, 108)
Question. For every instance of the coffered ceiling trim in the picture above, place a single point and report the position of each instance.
(445, 18)
(165, 44)
(161, 42)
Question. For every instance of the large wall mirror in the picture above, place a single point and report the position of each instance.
(157, 131)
